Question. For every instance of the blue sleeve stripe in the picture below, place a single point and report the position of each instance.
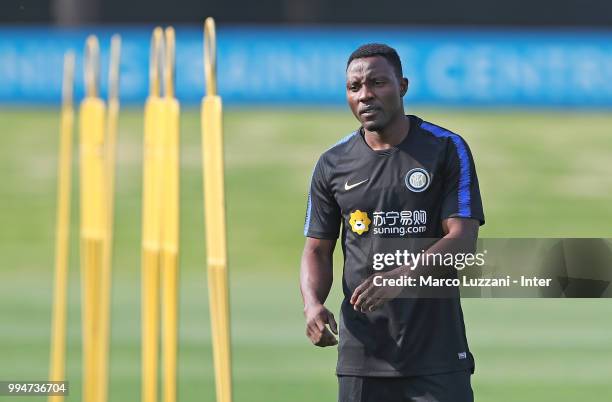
(309, 207)
(464, 194)
(307, 223)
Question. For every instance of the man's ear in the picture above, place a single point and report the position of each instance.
(403, 86)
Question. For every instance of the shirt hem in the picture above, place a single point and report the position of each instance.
(407, 373)
(320, 235)
(480, 219)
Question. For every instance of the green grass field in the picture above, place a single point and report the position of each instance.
(541, 174)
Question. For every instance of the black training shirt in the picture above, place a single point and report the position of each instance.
(400, 193)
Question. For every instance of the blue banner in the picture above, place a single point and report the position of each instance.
(265, 65)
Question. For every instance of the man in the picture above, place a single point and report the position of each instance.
(397, 178)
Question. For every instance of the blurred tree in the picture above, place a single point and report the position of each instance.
(20, 11)
(304, 10)
(75, 12)
(521, 13)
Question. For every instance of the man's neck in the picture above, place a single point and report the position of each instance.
(393, 134)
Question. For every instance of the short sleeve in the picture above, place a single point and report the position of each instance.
(322, 211)
(460, 190)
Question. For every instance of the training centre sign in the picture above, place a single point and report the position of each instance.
(282, 66)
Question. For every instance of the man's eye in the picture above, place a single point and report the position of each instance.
(354, 88)
(379, 83)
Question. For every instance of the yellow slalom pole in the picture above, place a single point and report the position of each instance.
(170, 226)
(214, 211)
(93, 214)
(60, 291)
(154, 122)
(106, 276)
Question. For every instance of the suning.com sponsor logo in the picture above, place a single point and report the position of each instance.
(400, 223)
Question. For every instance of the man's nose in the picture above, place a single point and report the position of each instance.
(365, 93)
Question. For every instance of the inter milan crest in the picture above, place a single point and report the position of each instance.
(417, 180)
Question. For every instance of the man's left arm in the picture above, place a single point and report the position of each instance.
(460, 237)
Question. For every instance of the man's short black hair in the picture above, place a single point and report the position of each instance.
(378, 49)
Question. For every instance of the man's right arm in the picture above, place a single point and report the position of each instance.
(316, 277)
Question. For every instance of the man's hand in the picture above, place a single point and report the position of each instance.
(317, 317)
(368, 297)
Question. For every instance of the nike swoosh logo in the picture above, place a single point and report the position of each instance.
(348, 186)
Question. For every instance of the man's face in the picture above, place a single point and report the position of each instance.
(374, 92)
